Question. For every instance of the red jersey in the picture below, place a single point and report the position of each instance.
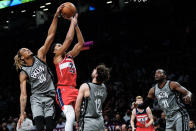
(142, 119)
(66, 72)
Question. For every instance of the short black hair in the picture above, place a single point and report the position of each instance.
(103, 73)
(53, 46)
(164, 72)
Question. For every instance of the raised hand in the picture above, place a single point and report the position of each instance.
(58, 11)
(75, 19)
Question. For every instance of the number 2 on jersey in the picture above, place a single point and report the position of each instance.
(72, 68)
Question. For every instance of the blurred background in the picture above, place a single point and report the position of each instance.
(132, 37)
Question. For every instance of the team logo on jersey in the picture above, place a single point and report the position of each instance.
(37, 71)
(142, 119)
(163, 97)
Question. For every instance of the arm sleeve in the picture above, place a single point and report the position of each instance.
(147, 102)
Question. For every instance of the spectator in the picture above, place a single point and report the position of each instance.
(127, 116)
(162, 121)
(13, 125)
(192, 125)
(118, 128)
(157, 126)
(9, 123)
(4, 127)
(107, 123)
(129, 128)
(119, 122)
(60, 125)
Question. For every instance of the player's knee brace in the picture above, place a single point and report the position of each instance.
(39, 123)
(50, 123)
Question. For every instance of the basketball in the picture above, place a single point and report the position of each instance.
(68, 10)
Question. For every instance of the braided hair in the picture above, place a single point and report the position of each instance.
(18, 62)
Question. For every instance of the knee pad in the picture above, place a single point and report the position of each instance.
(39, 123)
(50, 123)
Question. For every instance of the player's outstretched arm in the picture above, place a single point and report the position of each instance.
(149, 100)
(77, 48)
(51, 34)
(23, 96)
(187, 94)
(69, 36)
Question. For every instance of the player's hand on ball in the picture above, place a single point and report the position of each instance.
(187, 99)
(21, 119)
(58, 11)
(74, 19)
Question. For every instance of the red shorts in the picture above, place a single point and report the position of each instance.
(66, 95)
(145, 129)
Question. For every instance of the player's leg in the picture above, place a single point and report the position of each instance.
(39, 123)
(101, 124)
(49, 111)
(38, 112)
(70, 117)
(50, 123)
(182, 124)
(65, 96)
(170, 124)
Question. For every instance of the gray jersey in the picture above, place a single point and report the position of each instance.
(96, 99)
(169, 101)
(39, 78)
